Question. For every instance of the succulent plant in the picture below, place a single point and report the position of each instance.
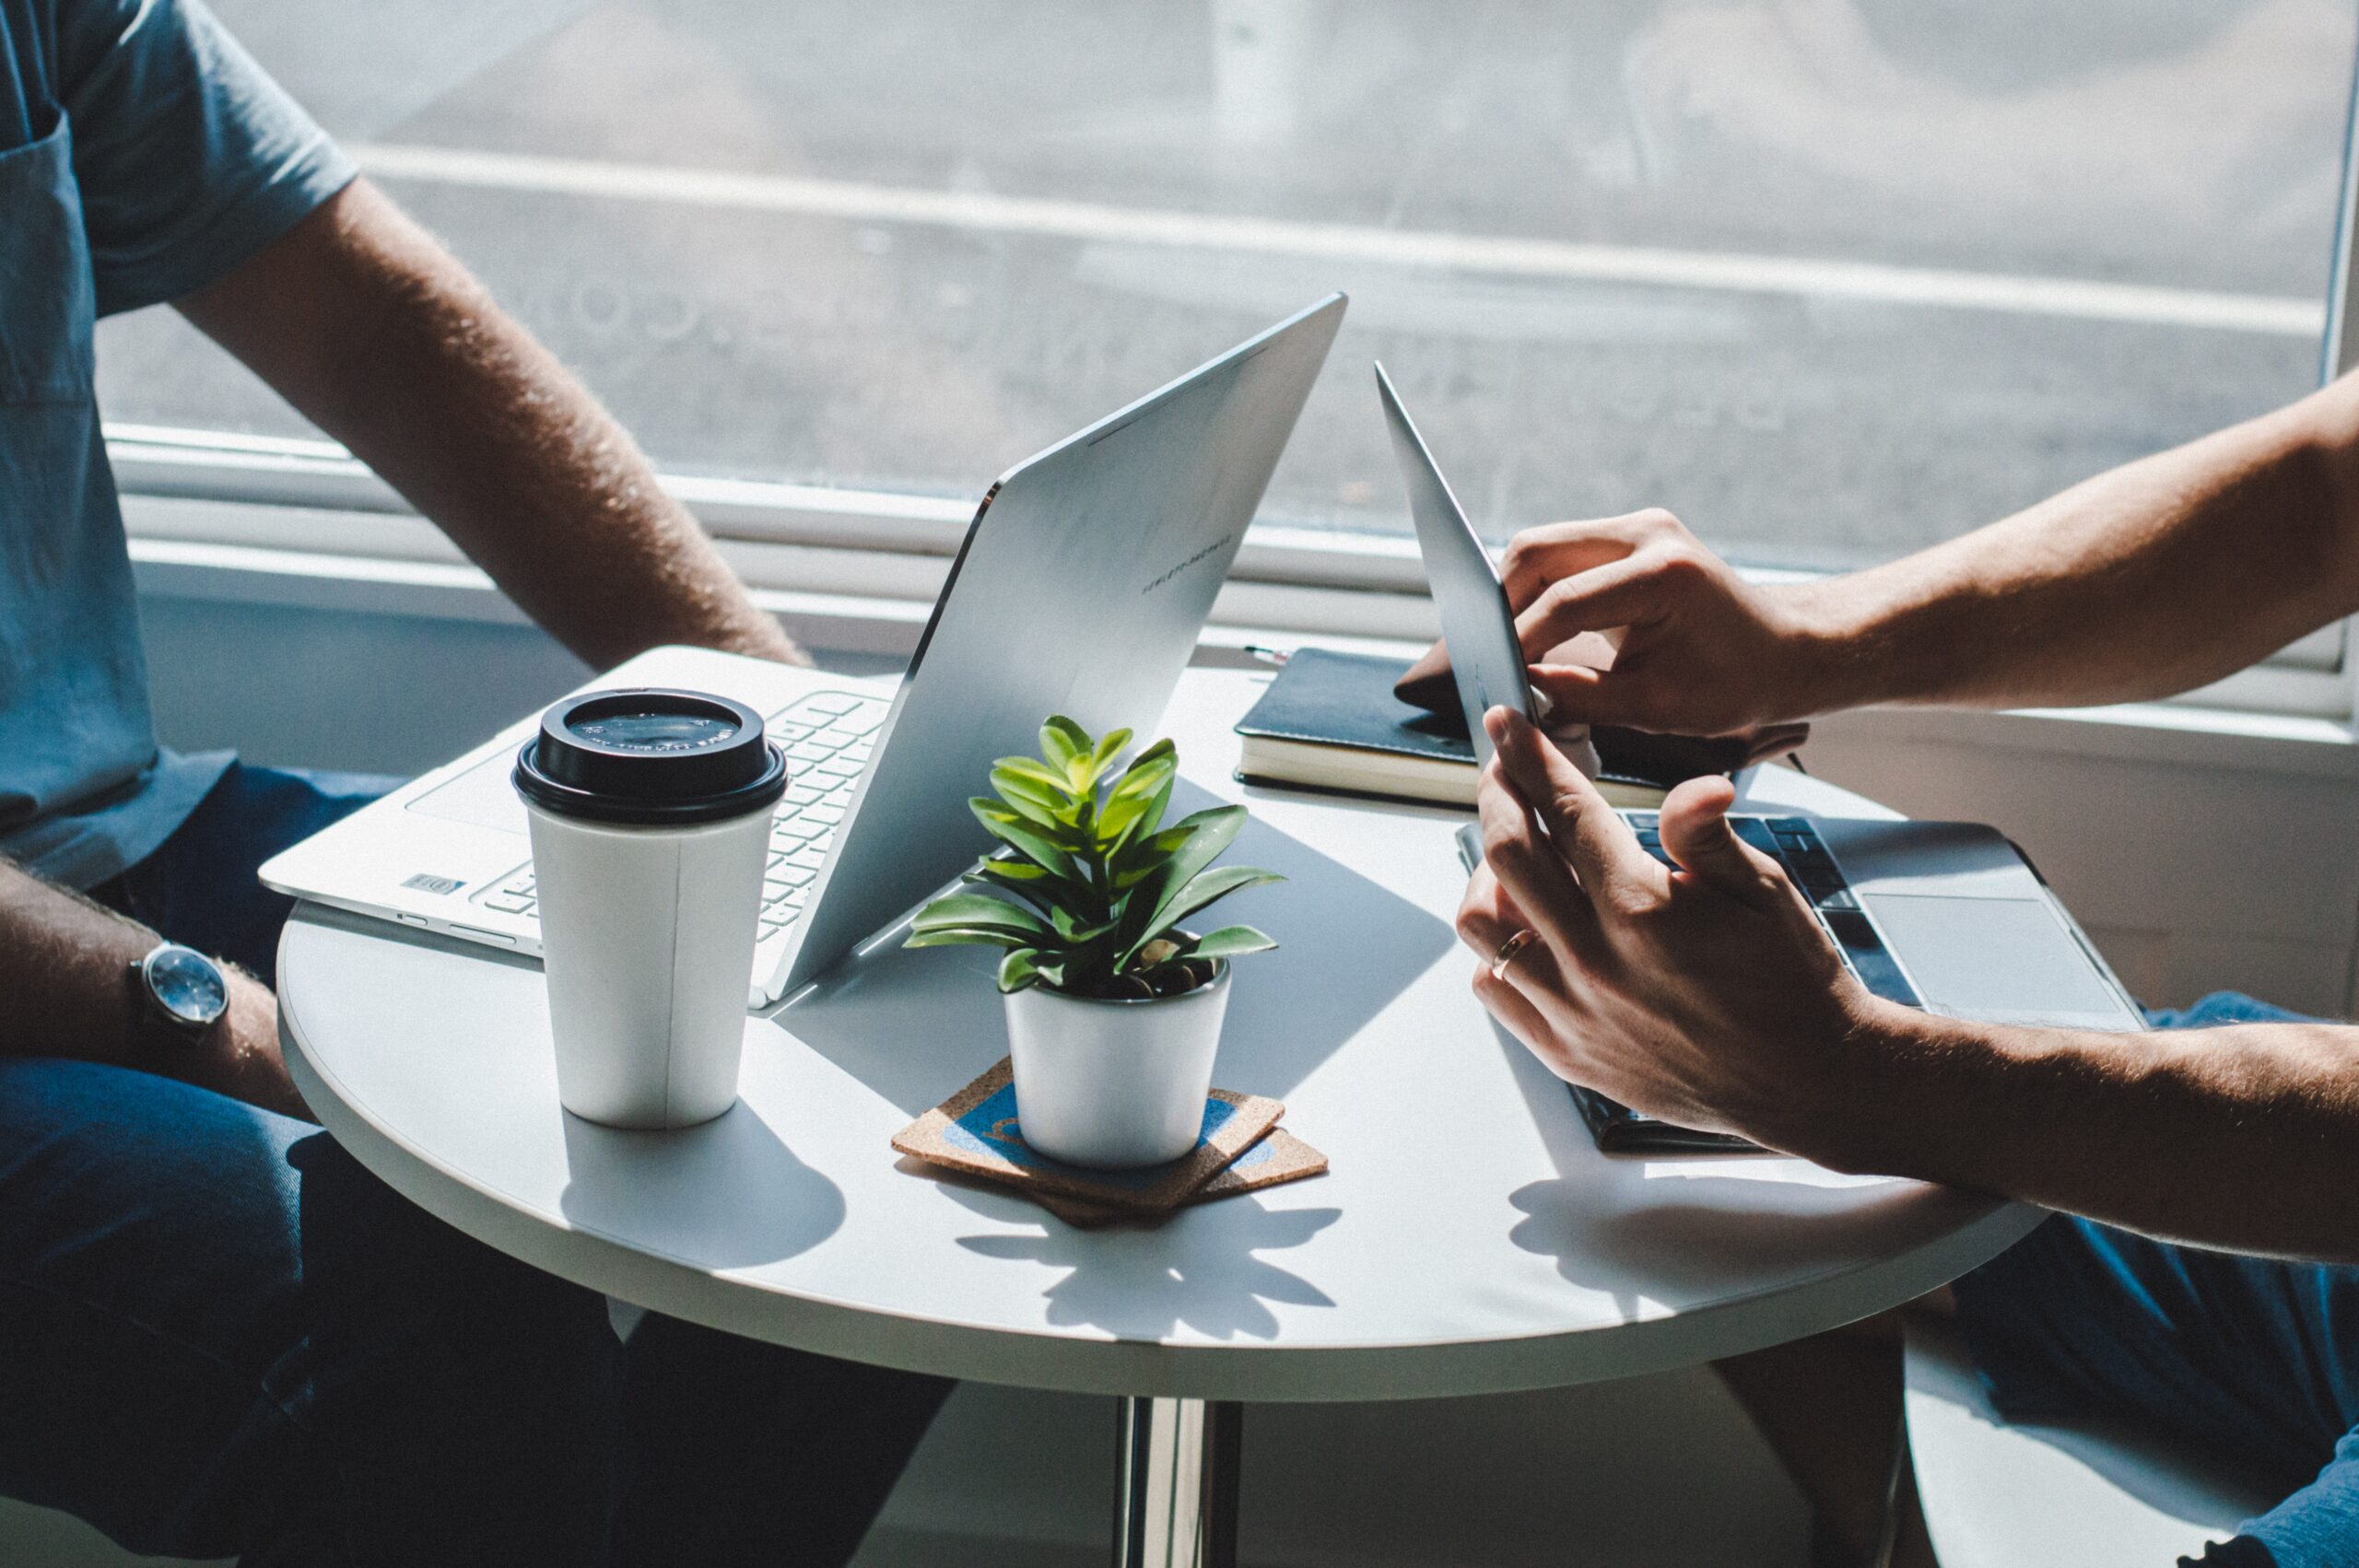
(1089, 887)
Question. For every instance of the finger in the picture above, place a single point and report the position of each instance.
(1596, 843)
(1514, 1010)
(1538, 557)
(1628, 592)
(1487, 916)
(1528, 868)
(1578, 695)
(1430, 683)
(1696, 832)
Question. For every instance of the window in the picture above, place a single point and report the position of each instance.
(1831, 278)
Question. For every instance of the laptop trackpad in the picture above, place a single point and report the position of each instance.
(482, 796)
(2005, 959)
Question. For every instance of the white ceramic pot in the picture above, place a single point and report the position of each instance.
(1114, 1084)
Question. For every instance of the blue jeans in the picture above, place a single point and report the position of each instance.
(220, 1336)
(2254, 1359)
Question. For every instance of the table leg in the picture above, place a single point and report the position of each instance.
(1175, 1483)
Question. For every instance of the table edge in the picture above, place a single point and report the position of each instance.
(1076, 1364)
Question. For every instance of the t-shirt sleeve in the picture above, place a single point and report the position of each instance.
(190, 158)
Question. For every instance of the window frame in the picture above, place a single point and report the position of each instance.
(883, 555)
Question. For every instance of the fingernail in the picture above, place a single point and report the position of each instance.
(1495, 723)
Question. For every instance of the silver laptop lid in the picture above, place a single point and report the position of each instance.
(1081, 588)
(1477, 623)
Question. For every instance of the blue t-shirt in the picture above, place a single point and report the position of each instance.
(143, 154)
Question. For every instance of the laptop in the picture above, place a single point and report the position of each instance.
(1080, 588)
(1945, 915)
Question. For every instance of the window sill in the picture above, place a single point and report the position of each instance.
(430, 582)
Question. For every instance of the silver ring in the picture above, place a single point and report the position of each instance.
(1511, 949)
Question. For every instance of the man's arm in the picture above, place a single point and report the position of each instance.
(1710, 998)
(75, 958)
(2152, 579)
(374, 332)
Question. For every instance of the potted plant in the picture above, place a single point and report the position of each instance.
(1114, 1007)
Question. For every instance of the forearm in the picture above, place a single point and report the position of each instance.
(2241, 1138)
(65, 969)
(377, 334)
(2152, 579)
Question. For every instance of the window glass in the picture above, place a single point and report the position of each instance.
(1831, 278)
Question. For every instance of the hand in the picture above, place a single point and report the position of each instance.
(1709, 997)
(240, 1056)
(1701, 651)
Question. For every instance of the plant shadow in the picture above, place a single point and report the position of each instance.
(1198, 1270)
(915, 1026)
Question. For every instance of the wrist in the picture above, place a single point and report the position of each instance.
(1885, 1099)
(1817, 629)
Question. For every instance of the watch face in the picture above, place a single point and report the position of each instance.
(187, 984)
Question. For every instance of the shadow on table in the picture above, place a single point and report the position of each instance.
(1639, 1226)
(915, 1027)
(1198, 1270)
(725, 1195)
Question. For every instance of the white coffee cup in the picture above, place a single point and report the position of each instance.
(650, 812)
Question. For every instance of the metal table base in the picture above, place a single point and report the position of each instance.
(1175, 1482)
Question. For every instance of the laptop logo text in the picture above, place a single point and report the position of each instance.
(426, 881)
(1218, 544)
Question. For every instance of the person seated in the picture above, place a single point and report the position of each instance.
(2199, 1275)
(218, 1335)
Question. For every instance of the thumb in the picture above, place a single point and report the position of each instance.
(1696, 832)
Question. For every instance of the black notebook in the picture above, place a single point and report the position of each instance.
(1329, 721)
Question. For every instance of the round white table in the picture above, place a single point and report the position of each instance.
(1468, 1238)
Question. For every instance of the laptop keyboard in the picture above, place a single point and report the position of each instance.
(828, 738)
(1794, 843)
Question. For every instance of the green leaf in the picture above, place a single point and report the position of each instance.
(978, 910)
(1208, 833)
(1037, 771)
(1018, 970)
(1108, 749)
(1134, 806)
(1215, 883)
(964, 936)
(1027, 799)
(1229, 941)
(1036, 884)
(1063, 743)
(1024, 836)
(1076, 929)
(1141, 856)
(1011, 871)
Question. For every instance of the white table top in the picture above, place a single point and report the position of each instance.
(1468, 1239)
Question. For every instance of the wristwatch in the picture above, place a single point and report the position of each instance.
(181, 988)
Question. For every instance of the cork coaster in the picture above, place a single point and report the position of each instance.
(1278, 1158)
(975, 1130)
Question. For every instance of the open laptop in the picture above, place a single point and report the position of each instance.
(1945, 916)
(1080, 588)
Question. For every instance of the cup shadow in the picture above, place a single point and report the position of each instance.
(1199, 1270)
(915, 1026)
(727, 1194)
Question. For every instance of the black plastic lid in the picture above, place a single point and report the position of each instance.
(647, 755)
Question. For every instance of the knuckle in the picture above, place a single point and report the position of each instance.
(1632, 905)
(1683, 564)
